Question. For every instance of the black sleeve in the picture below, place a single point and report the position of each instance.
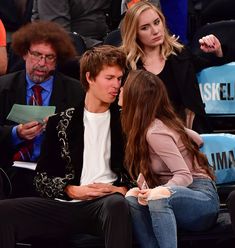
(51, 176)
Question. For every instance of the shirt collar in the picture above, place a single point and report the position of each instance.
(46, 85)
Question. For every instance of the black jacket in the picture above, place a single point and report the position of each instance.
(183, 68)
(66, 92)
(61, 159)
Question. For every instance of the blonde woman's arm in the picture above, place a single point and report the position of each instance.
(211, 44)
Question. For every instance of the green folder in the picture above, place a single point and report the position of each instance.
(26, 113)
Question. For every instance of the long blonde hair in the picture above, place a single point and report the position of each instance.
(144, 99)
(129, 28)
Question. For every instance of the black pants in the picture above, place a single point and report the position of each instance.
(231, 207)
(1, 187)
(5, 185)
(34, 217)
(22, 182)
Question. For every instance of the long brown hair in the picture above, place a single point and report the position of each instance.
(144, 99)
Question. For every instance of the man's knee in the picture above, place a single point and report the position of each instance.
(116, 204)
(5, 211)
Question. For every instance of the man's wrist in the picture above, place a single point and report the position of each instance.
(15, 137)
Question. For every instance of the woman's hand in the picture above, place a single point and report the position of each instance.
(133, 192)
(210, 44)
(143, 196)
(140, 194)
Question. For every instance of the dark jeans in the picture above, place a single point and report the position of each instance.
(231, 207)
(34, 217)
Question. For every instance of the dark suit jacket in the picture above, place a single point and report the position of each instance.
(61, 158)
(67, 92)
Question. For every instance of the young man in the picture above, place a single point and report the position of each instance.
(80, 168)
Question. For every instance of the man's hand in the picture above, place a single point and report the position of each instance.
(113, 189)
(210, 44)
(29, 130)
(92, 191)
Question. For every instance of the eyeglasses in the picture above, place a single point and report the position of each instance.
(49, 58)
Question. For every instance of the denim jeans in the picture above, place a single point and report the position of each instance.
(193, 208)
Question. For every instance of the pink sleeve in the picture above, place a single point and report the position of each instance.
(164, 145)
(195, 136)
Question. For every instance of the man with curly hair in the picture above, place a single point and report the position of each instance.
(42, 45)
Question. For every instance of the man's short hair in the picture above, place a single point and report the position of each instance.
(95, 59)
(44, 32)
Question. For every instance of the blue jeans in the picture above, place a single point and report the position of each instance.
(193, 208)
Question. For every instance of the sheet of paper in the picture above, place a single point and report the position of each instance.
(26, 165)
(26, 113)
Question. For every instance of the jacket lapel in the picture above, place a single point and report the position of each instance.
(76, 140)
(58, 96)
(19, 89)
(117, 146)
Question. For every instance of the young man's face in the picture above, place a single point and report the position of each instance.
(105, 87)
(40, 62)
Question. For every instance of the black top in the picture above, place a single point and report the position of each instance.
(167, 76)
(179, 77)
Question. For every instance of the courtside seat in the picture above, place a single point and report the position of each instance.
(220, 235)
(113, 38)
(217, 90)
(89, 241)
(217, 83)
(219, 149)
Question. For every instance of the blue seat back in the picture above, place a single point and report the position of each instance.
(217, 87)
(220, 151)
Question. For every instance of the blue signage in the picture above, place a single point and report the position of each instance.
(217, 87)
(220, 152)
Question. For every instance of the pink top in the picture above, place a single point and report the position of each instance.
(169, 157)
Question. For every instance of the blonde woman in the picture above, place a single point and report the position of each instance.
(149, 46)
